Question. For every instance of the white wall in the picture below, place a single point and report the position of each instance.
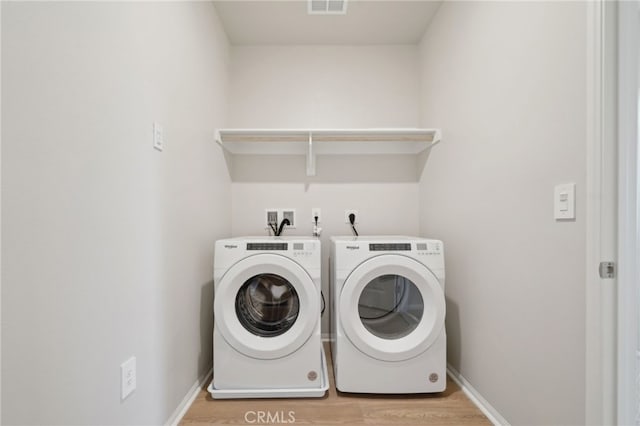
(107, 243)
(506, 83)
(325, 87)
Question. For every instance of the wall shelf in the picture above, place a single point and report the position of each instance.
(312, 142)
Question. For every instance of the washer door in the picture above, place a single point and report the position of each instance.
(266, 306)
(392, 307)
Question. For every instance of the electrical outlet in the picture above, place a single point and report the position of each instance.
(128, 377)
(291, 215)
(271, 216)
(316, 212)
(347, 213)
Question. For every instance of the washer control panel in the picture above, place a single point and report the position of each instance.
(302, 249)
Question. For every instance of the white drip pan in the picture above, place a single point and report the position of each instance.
(276, 393)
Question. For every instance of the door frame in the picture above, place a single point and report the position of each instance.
(628, 358)
(601, 213)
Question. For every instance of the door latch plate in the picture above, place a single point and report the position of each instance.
(607, 270)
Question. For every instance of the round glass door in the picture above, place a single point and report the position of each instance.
(390, 306)
(267, 305)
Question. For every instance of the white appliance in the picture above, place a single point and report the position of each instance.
(266, 336)
(388, 333)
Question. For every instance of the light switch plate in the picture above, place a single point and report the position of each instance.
(564, 201)
(158, 137)
(128, 377)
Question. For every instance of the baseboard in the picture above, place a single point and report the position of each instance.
(475, 397)
(188, 399)
(326, 337)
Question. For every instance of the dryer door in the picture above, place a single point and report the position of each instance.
(392, 307)
(266, 306)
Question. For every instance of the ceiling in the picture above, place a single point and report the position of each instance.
(261, 22)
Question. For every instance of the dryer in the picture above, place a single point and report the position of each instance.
(266, 336)
(388, 312)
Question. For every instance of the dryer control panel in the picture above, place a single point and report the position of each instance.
(430, 248)
(426, 248)
(390, 247)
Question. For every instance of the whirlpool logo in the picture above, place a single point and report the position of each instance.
(353, 247)
(230, 246)
(270, 417)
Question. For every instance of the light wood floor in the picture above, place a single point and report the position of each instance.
(451, 407)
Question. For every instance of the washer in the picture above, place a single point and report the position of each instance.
(388, 333)
(266, 336)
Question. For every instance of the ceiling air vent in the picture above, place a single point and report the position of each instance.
(327, 7)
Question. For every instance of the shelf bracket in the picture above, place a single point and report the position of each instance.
(311, 157)
(437, 137)
(218, 139)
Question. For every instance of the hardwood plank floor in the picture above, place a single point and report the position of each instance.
(451, 407)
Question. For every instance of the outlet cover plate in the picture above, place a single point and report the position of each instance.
(271, 216)
(289, 214)
(346, 216)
